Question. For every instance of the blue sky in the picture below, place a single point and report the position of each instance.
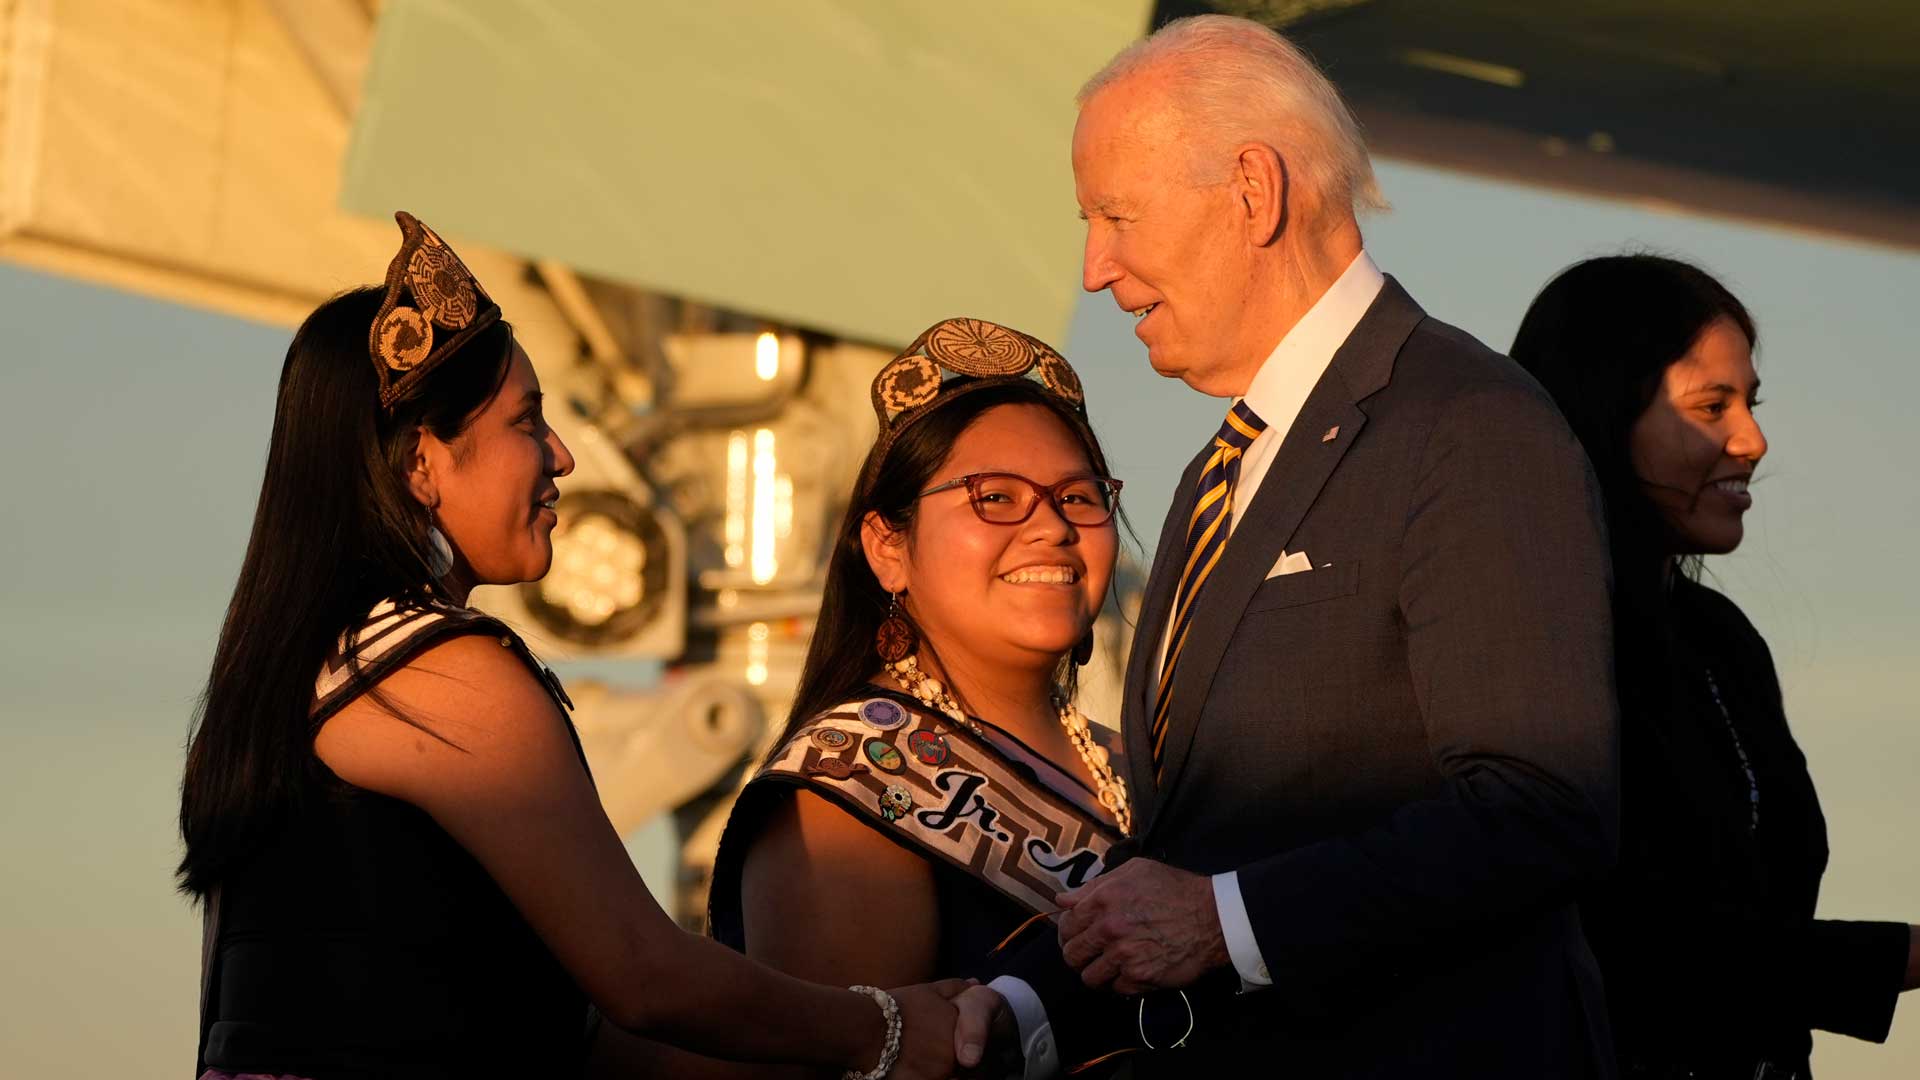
(137, 429)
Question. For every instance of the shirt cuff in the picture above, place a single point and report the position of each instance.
(1237, 928)
(1036, 1031)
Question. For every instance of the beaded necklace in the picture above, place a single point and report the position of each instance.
(1740, 751)
(1112, 790)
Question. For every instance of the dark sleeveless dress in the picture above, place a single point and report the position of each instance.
(365, 942)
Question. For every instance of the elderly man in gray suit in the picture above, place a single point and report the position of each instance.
(1369, 717)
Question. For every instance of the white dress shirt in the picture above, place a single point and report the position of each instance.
(1277, 393)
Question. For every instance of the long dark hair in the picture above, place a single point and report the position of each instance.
(1600, 337)
(840, 657)
(337, 529)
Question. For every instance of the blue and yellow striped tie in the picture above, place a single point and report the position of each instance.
(1206, 539)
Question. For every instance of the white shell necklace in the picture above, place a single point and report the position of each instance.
(1111, 790)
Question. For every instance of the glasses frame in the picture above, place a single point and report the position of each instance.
(1048, 493)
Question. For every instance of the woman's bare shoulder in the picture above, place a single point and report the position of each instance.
(810, 832)
(812, 863)
(458, 704)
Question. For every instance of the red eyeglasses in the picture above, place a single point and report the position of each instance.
(1001, 498)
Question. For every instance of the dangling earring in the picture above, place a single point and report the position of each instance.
(1083, 650)
(440, 554)
(895, 640)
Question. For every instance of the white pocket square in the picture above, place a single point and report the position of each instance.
(1290, 563)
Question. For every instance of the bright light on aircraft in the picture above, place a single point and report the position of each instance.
(766, 356)
(596, 572)
(763, 562)
(608, 576)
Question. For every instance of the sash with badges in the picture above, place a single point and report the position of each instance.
(935, 786)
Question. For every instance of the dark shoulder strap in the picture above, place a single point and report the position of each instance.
(392, 634)
(395, 633)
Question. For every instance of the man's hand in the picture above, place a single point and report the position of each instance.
(986, 1040)
(1142, 926)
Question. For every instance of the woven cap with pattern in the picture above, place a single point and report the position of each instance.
(433, 306)
(963, 354)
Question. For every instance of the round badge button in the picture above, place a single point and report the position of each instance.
(884, 757)
(882, 715)
(929, 746)
(832, 739)
(895, 802)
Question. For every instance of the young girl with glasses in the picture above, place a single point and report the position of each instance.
(935, 786)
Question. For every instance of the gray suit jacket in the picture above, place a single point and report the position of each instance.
(1408, 752)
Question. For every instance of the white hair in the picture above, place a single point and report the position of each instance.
(1239, 81)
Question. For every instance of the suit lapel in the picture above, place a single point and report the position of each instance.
(1294, 479)
(1137, 706)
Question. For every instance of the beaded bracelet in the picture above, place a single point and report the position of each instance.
(890, 1051)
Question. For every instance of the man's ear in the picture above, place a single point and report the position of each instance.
(421, 471)
(1264, 191)
(886, 550)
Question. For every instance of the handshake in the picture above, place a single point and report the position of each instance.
(955, 1028)
(1142, 926)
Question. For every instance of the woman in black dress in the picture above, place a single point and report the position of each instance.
(406, 869)
(1715, 964)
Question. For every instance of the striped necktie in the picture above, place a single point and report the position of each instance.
(1206, 539)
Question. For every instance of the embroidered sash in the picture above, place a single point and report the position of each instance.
(933, 785)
